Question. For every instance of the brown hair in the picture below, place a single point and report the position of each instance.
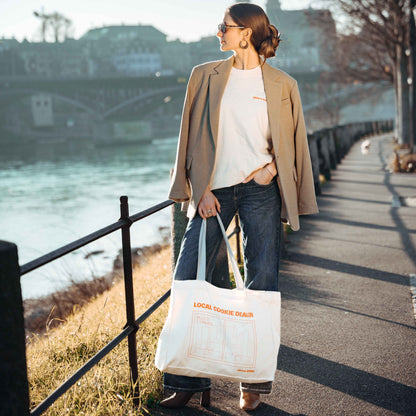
(265, 36)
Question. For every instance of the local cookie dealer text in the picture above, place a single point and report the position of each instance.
(224, 311)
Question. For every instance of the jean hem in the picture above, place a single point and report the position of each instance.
(184, 389)
(258, 391)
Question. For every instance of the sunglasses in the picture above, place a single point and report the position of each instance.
(222, 27)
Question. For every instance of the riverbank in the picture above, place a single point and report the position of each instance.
(45, 313)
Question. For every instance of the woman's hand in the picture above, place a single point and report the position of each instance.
(208, 205)
(264, 175)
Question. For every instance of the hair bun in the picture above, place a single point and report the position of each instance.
(274, 33)
(269, 45)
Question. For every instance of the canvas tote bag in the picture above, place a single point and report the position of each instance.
(215, 332)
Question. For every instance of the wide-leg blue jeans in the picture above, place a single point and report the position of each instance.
(259, 209)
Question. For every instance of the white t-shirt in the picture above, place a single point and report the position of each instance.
(243, 129)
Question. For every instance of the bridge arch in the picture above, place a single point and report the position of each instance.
(63, 98)
(88, 109)
(144, 96)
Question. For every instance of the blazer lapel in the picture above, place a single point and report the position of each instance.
(273, 90)
(217, 82)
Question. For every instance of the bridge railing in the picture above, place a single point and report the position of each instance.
(327, 148)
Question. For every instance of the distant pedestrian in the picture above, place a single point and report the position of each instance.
(242, 148)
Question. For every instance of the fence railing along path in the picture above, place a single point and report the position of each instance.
(327, 148)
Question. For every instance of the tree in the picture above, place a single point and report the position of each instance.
(55, 24)
(374, 48)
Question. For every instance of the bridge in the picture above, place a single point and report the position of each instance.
(86, 107)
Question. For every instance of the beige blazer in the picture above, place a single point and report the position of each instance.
(199, 130)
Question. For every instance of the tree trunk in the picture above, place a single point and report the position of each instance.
(405, 100)
(412, 36)
(397, 119)
(402, 97)
(398, 129)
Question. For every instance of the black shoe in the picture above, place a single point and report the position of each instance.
(181, 399)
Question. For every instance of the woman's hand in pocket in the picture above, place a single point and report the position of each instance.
(264, 175)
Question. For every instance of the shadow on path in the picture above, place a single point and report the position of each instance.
(371, 226)
(352, 269)
(339, 308)
(379, 391)
(401, 228)
(345, 198)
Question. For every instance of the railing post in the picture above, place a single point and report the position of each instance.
(14, 392)
(313, 149)
(129, 293)
(325, 158)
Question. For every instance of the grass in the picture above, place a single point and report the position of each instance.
(104, 390)
(55, 353)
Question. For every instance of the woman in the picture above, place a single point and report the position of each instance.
(242, 147)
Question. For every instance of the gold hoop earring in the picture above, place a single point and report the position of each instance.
(245, 46)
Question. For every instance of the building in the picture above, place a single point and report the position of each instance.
(11, 63)
(124, 50)
(125, 33)
(138, 61)
(176, 57)
(54, 60)
(206, 49)
(306, 37)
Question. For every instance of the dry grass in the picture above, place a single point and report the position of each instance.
(48, 312)
(42, 314)
(105, 390)
(405, 163)
(403, 159)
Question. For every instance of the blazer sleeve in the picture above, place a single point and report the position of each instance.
(305, 185)
(180, 190)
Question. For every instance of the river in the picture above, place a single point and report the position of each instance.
(52, 194)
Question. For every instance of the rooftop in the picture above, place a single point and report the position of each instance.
(125, 32)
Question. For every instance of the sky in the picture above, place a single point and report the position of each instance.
(187, 20)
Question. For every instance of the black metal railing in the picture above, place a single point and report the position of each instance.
(132, 325)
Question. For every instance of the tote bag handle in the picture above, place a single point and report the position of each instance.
(202, 257)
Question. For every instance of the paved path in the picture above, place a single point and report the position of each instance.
(349, 333)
